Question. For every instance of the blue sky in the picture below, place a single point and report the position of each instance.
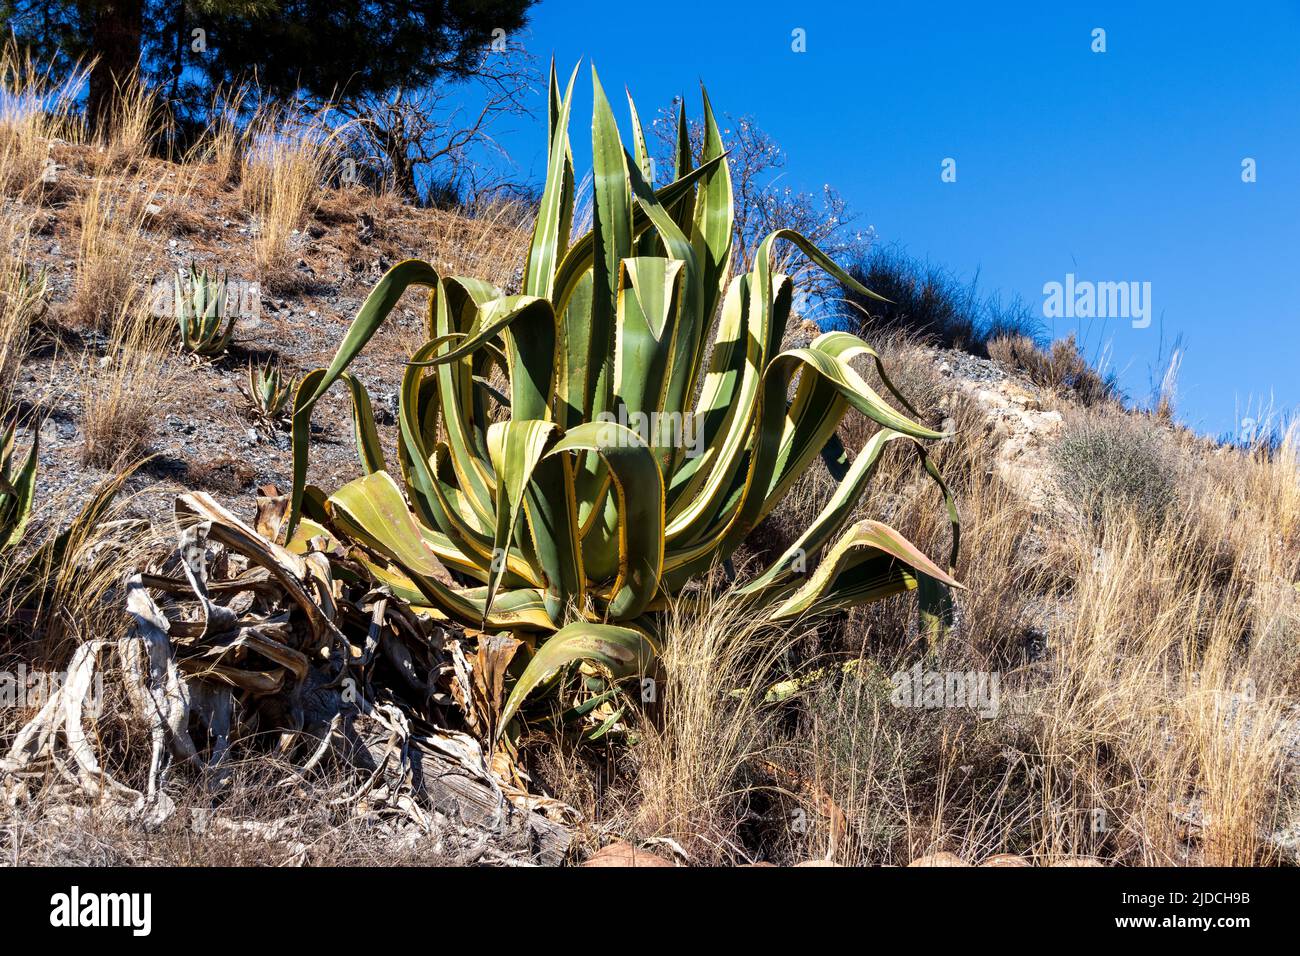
(1117, 166)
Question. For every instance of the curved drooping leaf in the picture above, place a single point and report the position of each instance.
(621, 651)
(639, 502)
(872, 561)
(379, 303)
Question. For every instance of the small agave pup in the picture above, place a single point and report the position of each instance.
(568, 523)
(267, 392)
(201, 309)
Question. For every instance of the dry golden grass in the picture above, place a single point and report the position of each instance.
(289, 158)
(1145, 671)
(22, 302)
(138, 124)
(120, 390)
(489, 242)
(717, 664)
(35, 111)
(1061, 368)
(1152, 713)
(58, 597)
(112, 245)
(221, 147)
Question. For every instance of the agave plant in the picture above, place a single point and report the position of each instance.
(17, 489)
(572, 519)
(267, 392)
(201, 312)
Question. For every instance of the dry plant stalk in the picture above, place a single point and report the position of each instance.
(222, 145)
(138, 123)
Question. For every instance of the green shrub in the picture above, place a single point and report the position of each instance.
(1108, 463)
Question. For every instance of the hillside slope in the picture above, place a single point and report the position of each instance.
(1135, 589)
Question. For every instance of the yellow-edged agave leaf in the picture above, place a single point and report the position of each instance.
(830, 520)
(617, 475)
(612, 228)
(379, 303)
(17, 490)
(366, 435)
(418, 415)
(543, 489)
(622, 651)
(639, 501)
(871, 562)
(578, 261)
(371, 510)
(555, 214)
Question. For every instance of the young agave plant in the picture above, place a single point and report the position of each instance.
(267, 391)
(201, 311)
(17, 489)
(580, 516)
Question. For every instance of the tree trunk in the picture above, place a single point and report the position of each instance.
(116, 27)
(401, 168)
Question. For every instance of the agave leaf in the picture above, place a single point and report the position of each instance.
(622, 651)
(372, 511)
(379, 303)
(639, 502)
(363, 426)
(830, 520)
(647, 311)
(578, 261)
(518, 448)
(870, 562)
(16, 502)
(555, 213)
(612, 228)
(683, 163)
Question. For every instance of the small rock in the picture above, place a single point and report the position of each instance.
(939, 859)
(1006, 859)
(1078, 861)
(624, 854)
